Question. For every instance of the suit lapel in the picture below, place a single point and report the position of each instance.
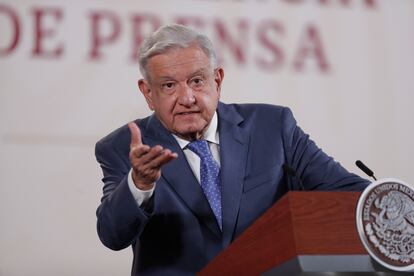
(233, 154)
(179, 175)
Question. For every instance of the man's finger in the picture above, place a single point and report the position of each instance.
(135, 134)
(163, 158)
(167, 158)
(151, 154)
(139, 151)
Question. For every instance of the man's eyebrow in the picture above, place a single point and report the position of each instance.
(201, 71)
(164, 78)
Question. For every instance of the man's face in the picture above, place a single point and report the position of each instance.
(183, 90)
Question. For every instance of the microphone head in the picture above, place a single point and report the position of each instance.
(364, 168)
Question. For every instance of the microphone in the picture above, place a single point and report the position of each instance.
(292, 173)
(365, 169)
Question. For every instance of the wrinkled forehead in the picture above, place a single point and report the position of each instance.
(178, 63)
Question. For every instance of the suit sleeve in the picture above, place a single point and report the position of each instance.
(120, 220)
(316, 169)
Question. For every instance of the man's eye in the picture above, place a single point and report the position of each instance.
(197, 82)
(168, 85)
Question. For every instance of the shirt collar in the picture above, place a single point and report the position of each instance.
(211, 134)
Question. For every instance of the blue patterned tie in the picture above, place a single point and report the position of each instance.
(209, 176)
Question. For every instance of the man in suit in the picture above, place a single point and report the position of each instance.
(183, 183)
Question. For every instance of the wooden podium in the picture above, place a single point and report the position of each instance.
(302, 232)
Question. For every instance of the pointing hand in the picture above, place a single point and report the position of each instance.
(146, 162)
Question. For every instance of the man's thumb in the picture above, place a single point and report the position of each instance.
(135, 134)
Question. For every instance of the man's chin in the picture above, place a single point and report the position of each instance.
(190, 132)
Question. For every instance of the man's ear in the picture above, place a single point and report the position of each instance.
(145, 89)
(218, 78)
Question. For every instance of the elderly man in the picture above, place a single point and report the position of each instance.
(183, 183)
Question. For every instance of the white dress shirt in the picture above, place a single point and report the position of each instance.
(212, 137)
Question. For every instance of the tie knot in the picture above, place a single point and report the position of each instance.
(200, 147)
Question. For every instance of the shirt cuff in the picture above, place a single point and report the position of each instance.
(140, 196)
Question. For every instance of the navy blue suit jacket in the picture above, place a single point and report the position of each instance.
(176, 231)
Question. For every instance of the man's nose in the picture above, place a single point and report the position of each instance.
(186, 95)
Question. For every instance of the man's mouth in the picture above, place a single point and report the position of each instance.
(187, 112)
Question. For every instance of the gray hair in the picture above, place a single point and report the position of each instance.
(173, 36)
